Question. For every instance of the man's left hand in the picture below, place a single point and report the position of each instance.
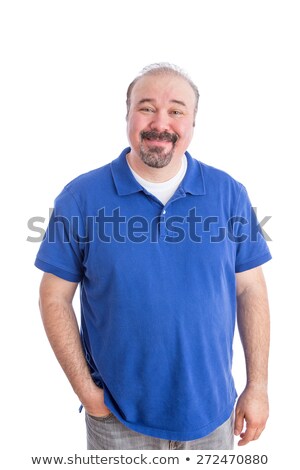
(253, 408)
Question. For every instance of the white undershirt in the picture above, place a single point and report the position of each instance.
(163, 191)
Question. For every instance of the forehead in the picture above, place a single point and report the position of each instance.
(163, 88)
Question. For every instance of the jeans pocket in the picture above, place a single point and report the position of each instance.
(101, 418)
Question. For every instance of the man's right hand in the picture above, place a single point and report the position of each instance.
(94, 404)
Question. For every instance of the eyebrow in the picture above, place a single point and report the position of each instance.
(178, 102)
(151, 100)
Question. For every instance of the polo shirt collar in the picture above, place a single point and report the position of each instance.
(125, 182)
(193, 181)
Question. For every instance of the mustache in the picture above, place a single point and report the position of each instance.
(161, 136)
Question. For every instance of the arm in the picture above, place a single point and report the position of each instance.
(61, 326)
(254, 328)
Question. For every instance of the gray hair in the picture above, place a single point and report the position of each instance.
(163, 68)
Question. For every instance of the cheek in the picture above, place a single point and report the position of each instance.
(135, 126)
(185, 131)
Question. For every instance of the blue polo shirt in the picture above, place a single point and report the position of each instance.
(157, 283)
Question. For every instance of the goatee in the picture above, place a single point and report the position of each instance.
(156, 156)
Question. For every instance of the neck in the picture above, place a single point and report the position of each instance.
(154, 175)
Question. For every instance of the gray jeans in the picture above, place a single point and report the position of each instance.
(109, 434)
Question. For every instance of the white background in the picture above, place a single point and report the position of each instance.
(65, 68)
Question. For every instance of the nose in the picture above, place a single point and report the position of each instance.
(160, 122)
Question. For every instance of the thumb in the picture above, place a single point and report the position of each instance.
(238, 423)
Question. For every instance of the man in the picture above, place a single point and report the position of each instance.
(167, 252)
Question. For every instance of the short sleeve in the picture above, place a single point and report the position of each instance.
(251, 247)
(61, 252)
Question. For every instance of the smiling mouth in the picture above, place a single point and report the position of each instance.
(159, 142)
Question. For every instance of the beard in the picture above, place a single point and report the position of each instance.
(156, 156)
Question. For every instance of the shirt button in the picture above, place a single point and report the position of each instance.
(164, 211)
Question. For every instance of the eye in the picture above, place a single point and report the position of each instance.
(176, 112)
(146, 109)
